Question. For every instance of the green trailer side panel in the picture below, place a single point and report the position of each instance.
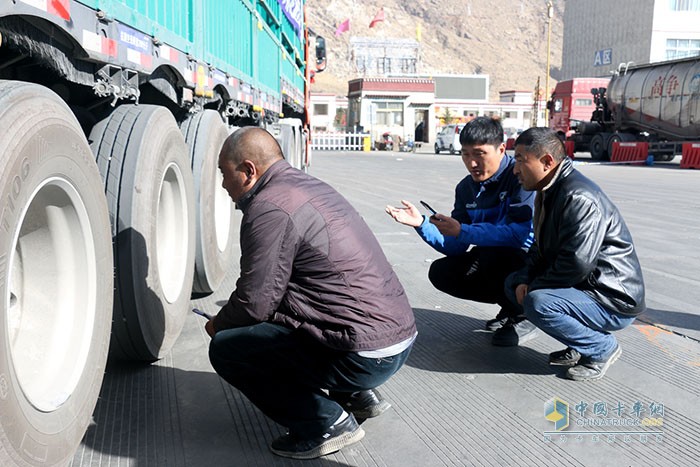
(250, 39)
(268, 60)
(228, 37)
(171, 21)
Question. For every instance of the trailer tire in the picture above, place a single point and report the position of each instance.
(598, 148)
(55, 278)
(205, 133)
(142, 157)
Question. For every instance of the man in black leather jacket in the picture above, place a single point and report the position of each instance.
(582, 279)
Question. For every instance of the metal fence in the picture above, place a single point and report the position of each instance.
(326, 141)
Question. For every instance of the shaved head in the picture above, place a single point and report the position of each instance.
(254, 144)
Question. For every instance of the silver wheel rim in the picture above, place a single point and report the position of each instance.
(171, 233)
(222, 214)
(51, 299)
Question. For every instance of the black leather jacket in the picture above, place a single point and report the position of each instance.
(583, 242)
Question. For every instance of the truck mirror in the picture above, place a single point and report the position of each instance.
(320, 53)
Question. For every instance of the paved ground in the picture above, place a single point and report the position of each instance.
(458, 400)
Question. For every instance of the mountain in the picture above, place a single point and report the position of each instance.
(506, 40)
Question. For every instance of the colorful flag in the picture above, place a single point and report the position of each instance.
(377, 18)
(342, 27)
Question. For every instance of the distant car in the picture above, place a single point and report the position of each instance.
(448, 139)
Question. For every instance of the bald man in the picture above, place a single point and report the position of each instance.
(318, 318)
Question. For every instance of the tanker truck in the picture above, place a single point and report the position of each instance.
(656, 103)
(111, 208)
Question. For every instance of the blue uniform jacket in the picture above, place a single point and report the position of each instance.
(497, 212)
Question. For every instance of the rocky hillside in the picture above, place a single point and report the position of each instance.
(506, 39)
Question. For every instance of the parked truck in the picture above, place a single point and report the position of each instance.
(111, 208)
(656, 103)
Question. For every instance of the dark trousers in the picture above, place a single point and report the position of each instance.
(284, 373)
(478, 275)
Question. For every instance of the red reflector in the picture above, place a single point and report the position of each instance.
(60, 8)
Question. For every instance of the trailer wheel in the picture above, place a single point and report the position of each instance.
(143, 160)
(598, 148)
(55, 278)
(205, 133)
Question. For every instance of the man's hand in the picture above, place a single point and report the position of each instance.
(408, 215)
(209, 327)
(520, 292)
(446, 225)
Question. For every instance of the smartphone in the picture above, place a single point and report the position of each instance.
(427, 206)
(201, 313)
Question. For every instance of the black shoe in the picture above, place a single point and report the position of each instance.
(362, 404)
(566, 357)
(333, 439)
(590, 370)
(495, 324)
(498, 322)
(515, 332)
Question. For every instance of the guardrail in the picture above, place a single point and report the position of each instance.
(332, 141)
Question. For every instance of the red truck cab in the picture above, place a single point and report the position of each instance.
(572, 102)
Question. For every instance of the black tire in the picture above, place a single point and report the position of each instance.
(55, 278)
(143, 160)
(452, 150)
(614, 138)
(205, 133)
(437, 149)
(598, 148)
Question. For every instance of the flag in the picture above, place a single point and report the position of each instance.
(377, 18)
(342, 27)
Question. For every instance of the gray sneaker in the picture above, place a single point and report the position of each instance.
(515, 332)
(591, 370)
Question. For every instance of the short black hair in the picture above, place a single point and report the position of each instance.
(542, 140)
(482, 130)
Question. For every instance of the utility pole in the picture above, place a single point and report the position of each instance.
(536, 104)
(550, 13)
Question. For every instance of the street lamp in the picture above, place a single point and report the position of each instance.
(550, 13)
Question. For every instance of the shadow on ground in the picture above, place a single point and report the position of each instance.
(153, 415)
(676, 319)
(455, 343)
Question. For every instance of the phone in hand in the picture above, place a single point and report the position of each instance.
(201, 313)
(427, 206)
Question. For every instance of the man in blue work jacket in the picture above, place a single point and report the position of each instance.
(487, 234)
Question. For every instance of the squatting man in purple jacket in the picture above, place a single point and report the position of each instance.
(318, 318)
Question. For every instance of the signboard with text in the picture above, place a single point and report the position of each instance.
(603, 57)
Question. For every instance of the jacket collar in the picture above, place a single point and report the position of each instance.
(246, 199)
(563, 170)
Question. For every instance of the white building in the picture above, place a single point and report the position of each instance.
(328, 112)
(599, 35)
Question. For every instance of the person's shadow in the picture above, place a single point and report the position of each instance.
(454, 343)
(154, 415)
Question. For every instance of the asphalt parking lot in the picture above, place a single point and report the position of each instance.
(458, 400)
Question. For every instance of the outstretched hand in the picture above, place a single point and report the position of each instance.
(407, 215)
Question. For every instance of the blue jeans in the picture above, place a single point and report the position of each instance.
(573, 318)
(284, 372)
